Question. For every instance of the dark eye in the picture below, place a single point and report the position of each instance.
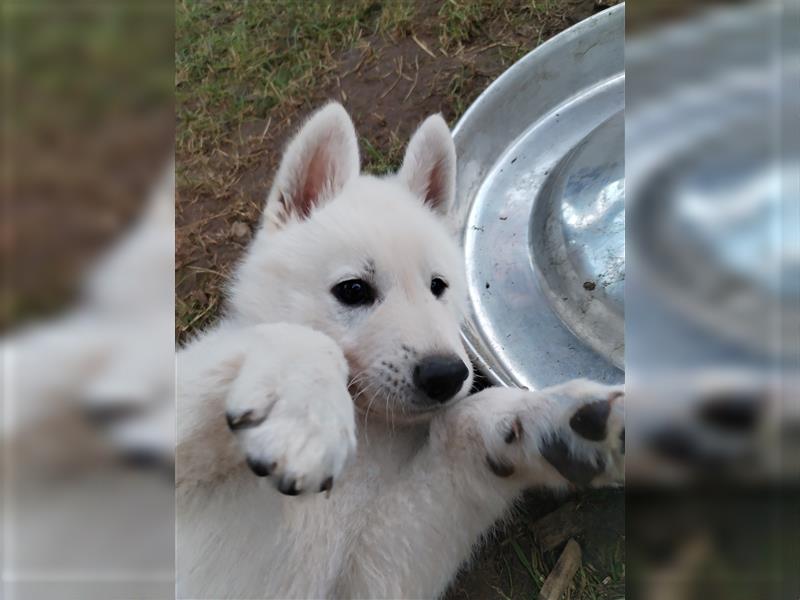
(354, 292)
(438, 286)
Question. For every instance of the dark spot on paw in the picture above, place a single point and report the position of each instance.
(260, 468)
(578, 471)
(288, 487)
(245, 420)
(326, 485)
(500, 468)
(514, 431)
(731, 413)
(590, 421)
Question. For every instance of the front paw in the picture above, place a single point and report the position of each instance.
(573, 433)
(293, 416)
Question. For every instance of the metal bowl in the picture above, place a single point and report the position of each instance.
(541, 214)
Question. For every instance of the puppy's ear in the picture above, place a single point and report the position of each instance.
(429, 166)
(317, 164)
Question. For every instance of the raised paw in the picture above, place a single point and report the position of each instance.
(573, 433)
(293, 416)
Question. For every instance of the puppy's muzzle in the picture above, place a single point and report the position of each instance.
(440, 377)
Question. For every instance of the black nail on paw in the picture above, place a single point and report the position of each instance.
(622, 440)
(260, 468)
(288, 487)
(326, 485)
(515, 431)
(245, 420)
(500, 468)
(591, 420)
(579, 471)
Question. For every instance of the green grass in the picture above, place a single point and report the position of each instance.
(601, 579)
(464, 20)
(516, 567)
(242, 63)
(238, 62)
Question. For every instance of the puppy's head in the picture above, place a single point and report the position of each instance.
(368, 261)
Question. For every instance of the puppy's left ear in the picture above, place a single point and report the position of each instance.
(429, 166)
(317, 164)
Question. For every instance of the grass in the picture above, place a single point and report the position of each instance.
(513, 565)
(244, 63)
(237, 62)
(464, 21)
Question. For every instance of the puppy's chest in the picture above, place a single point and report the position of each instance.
(383, 456)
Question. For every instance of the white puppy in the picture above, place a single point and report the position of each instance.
(326, 447)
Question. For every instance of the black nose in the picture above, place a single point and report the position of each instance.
(440, 377)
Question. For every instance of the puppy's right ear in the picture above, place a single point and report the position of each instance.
(317, 164)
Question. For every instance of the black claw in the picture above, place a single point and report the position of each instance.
(515, 432)
(622, 440)
(245, 420)
(261, 469)
(326, 485)
(500, 468)
(288, 487)
(580, 472)
(591, 421)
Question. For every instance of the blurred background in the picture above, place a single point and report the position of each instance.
(87, 252)
(712, 300)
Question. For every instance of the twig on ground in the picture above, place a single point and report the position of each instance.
(422, 45)
(416, 77)
(561, 576)
(396, 81)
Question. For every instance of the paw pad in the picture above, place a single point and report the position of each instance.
(591, 421)
(579, 471)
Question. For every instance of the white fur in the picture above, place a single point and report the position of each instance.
(414, 495)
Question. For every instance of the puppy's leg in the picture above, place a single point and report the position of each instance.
(274, 396)
(481, 455)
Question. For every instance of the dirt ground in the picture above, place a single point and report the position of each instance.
(396, 63)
